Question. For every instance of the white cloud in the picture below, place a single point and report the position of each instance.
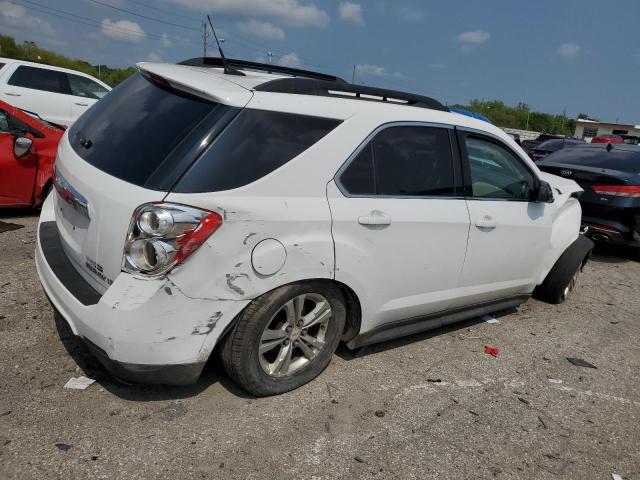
(568, 49)
(476, 37)
(289, 11)
(368, 70)
(261, 29)
(166, 41)
(122, 30)
(290, 60)
(351, 12)
(154, 57)
(16, 17)
(410, 13)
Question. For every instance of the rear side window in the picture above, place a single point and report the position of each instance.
(130, 132)
(256, 143)
(401, 161)
(40, 79)
(85, 87)
(2, 65)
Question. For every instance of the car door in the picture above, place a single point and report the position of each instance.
(85, 92)
(400, 222)
(510, 233)
(17, 175)
(42, 91)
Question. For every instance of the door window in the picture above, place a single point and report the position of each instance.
(496, 172)
(84, 87)
(403, 161)
(40, 79)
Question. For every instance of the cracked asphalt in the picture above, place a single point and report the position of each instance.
(430, 406)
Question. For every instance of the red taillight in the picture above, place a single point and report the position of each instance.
(191, 241)
(618, 190)
(163, 235)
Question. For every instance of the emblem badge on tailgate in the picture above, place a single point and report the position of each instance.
(70, 194)
(97, 270)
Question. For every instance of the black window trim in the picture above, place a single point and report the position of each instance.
(455, 156)
(461, 134)
(38, 67)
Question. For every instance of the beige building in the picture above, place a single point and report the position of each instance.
(587, 129)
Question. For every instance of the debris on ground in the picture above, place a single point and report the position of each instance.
(79, 383)
(174, 410)
(359, 459)
(578, 362)
(554, 380)
(380, 413)
(615, 476)
(65, 447)
(493, 351)
(489, 319)
(434, 380)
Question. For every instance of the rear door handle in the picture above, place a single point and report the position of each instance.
(12, 94)
(82, 104)
(375, 218)
(486, 222)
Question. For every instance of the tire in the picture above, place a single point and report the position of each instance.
(562, 277)
(256, 366)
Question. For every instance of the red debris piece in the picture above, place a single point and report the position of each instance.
(334, 401)
(493, 351)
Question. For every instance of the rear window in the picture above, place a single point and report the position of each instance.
(256, 143)
(130, 132)
(551, 145)
(40, 79)
(623, 160)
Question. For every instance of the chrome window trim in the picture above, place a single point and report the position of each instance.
(365, 143)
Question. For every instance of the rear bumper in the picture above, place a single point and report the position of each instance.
(605, 230)
(141, 330)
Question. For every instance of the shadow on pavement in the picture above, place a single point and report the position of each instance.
(346, 354)
(604, 253)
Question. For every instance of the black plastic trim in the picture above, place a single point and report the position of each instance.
(179, 374)
(414, 325)
(323, 88)
(62, 267)
(216, 62)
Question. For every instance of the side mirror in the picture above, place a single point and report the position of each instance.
(21, 146)
(545, 193)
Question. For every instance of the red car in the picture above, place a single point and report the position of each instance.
(27, 152)
(607, 139)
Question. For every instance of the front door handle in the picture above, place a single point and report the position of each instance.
(82, 104)
(486, 222)
(375, 218)
(12, 94)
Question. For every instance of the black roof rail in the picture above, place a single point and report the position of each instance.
(306, 86)
(264, 67)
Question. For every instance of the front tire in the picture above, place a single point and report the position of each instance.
(285, 338)
(562, 278)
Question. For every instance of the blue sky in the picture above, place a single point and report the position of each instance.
(581, 55)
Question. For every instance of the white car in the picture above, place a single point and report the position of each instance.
(274, 214)
(57, 95)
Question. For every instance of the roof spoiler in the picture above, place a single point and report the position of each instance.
(200, 84)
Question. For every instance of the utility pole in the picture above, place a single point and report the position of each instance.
(269, 57)
(353, 76)
(205, 37)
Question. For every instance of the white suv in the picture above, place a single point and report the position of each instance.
(274, 212)
(57, 95)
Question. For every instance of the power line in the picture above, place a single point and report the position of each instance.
(93, 22)
(168, 12)
(124, 10)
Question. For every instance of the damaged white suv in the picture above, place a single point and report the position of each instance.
(274, 212)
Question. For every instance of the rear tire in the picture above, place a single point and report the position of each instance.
(285, 338)
(562, 278)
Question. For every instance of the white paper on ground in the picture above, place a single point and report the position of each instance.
(79, 383)
(489, 319)
(554, 380)
(615, 476)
